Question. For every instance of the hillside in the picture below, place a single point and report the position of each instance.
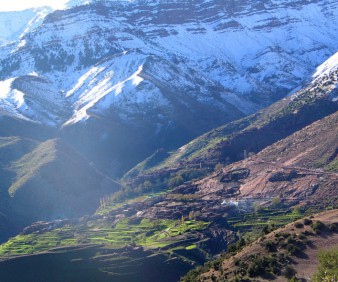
(302, 166)
(141, 139)
(102, 74)
(290, 251)
(11, 149)
(46, 180)
(300, 169)
(16, 24)
(236, 140)
(197, 220)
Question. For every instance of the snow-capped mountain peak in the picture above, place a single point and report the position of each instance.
(15, 24)
(128, 57)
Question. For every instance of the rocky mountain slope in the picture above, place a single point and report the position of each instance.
(196, 219)
(302, 167)
(239, 139)
(103, 69)
(95, 88)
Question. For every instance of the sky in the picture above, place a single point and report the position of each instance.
(17, 5)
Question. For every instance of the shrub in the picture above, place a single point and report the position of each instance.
(285, 235)
(270, 246)
(289, 272)
(237, 279)
(193, 274)
(293, 249)
(175, 181)
(318, 226)
(291, 240)
(276, 201)
(283, 245)
(218, 166)
(216, 264)
(232, 248)
(261, 265)
(265, 229)
(241, 243)
(299, 225)
(307, 233)
(307, 221)
(328, 266)
(302, 236)
(333, 227)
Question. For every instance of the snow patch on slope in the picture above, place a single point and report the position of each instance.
(107, 84)
(266, 51)
(32, 98)
(12, 101)
(14, 25)
(327, 67)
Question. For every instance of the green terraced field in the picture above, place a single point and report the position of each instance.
(151, 234)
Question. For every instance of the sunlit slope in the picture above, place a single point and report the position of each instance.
(251, 134)
(290, 251)
(48, 180)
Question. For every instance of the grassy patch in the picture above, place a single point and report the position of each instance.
(333, 166)
(191, 247)
(252, 223)
(30, 164)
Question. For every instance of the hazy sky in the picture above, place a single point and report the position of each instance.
(14, 5)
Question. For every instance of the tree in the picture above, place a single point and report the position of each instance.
(175, 181)
(276, 201)
(289, 272)
(328, 266)
(218, 166)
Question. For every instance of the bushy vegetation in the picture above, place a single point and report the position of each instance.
(289, 272)
(307, 221)
(328, 266)
(234, 248)
(260, 265)
(270, 246)
(318, 226)
(333, 227)
(299, 225)
(157, 183)
(193, 275)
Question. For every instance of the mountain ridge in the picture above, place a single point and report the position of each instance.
(196, 217)
(231, 106)
(230, 142)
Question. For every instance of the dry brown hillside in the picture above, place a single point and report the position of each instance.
(304, 166)
(294, 247)
(301, 169)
